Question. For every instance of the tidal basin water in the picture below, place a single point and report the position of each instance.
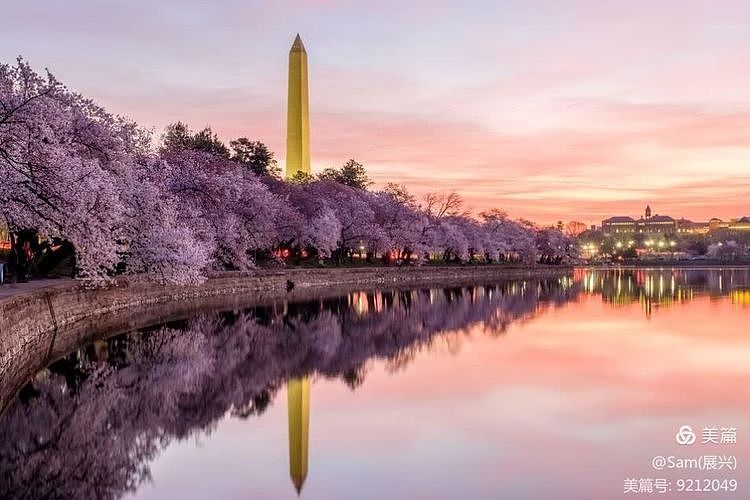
(561, 389)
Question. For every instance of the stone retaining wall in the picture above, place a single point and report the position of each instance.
(39, 327)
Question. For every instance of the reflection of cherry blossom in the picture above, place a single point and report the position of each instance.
(88, 426)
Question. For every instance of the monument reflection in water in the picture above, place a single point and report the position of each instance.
(95, 424)
(298, 402)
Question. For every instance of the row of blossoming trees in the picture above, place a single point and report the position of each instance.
(72, 172)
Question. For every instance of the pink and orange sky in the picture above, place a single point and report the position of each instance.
(564, 109)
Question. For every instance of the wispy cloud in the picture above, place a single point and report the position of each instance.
(551, 110)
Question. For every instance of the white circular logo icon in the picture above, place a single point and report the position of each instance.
(685, 436)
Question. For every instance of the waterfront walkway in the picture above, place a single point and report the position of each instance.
(11, 289)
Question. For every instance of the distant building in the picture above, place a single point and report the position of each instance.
(686, 226)
(741, 224)
(647, 224)
(619, 225)
(715, 224)
(666, 225)
(659, 224)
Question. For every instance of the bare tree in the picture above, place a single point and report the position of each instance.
(443, 204)
(574, 228)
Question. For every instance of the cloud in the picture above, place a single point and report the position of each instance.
(551, 110)
(641, 153)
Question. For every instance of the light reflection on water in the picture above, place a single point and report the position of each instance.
(550, 389)
(663, 287)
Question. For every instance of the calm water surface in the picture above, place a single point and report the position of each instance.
(531, 389)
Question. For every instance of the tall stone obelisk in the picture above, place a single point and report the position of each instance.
(298, 114)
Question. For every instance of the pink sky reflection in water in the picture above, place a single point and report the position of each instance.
(565, 405)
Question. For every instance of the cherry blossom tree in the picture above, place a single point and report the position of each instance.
(726, 250)
(74, 173)
(60, 155)
(352, 209)
(307, 220)
(508, 240)
(229, 209)
(396, 213)
(554, 247)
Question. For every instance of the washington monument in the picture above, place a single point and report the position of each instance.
(298, 114)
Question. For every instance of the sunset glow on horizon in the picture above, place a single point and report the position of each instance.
(549, 110)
